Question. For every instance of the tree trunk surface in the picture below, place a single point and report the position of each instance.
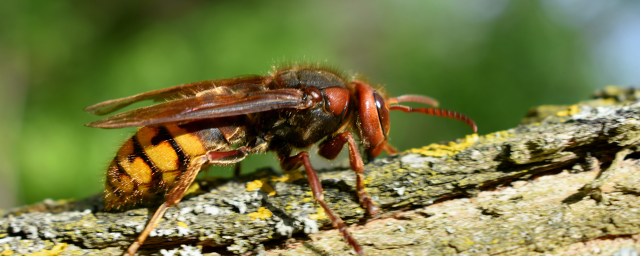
(565, 182)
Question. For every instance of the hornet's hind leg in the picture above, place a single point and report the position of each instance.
(186, 179)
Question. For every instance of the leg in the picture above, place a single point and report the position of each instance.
(290, 163)
(390, 149)
(172, 199)
(176, 193)
(331, 148)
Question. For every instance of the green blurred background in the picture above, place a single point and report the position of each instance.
(491, 60)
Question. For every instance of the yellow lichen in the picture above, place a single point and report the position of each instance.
(262, 213)
(320, 214)
(262, 185)
(572, 110)
(193, 189)
(256, 184)
(439, 150)
(497, 135)
(468, 241)
(56, 250)
(268, 189)
(368, 180)
(182, 224)
(6, 253)
(280, 179)
(288, 177)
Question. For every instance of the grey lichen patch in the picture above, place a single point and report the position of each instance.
(504, 192)
(625, 181)
(542, 147)
(626, 133)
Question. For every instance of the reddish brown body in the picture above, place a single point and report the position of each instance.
(222, 121)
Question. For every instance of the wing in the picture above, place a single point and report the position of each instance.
(172, 93)
(206, 106)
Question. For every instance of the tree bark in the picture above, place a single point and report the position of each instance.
(563, 182)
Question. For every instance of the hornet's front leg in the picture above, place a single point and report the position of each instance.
(302, 159)
(330, 150)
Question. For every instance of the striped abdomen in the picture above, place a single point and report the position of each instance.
(153, 160)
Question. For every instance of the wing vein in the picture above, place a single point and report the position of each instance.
(205, 107)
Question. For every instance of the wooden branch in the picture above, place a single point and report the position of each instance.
(526, 190)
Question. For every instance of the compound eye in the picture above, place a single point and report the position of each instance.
(383, 113)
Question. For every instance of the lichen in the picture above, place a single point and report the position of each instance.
(501, 135)
(262, 213)
(498, 208)
(288, 177)
(193, 189)
(572, 110)
(262, 185)
(320, 214)
(56, 250)
(439, 150)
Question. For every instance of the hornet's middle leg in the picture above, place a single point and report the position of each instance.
(330, 150)
(302, 158)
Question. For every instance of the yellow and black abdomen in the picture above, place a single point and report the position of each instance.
(152, 160)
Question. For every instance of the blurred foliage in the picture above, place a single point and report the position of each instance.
(491, 60)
